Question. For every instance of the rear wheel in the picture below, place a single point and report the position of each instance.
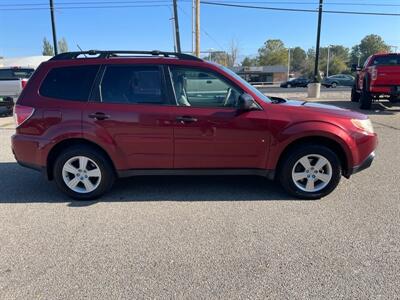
(289, 85)
(394, 99)
(355, 97)
(83, 173)
(310, 172)
(366, 97)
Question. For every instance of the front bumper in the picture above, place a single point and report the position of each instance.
(364, 165)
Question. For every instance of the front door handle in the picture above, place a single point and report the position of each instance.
(186, 119)
(99, 116)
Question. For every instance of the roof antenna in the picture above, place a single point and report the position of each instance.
(81, 50)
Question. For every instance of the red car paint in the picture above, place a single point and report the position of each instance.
(149, 136)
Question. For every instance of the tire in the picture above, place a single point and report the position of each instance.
(355, 97)
(366, 98)
(83, 186)
(313, 154)
(289, 86)
(334, 85)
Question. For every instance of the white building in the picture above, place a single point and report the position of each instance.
(26, 61)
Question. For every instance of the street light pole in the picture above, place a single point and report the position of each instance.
(288, 66)
(53, 27)
(327, 63)
(316, 71)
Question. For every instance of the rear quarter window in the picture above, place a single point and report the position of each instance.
(69, 83)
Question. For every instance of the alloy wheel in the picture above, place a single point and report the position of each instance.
(312, 173)
(81, 174)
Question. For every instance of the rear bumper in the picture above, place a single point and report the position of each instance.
(392, 90)
(364, 165)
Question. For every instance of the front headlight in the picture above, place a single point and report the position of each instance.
(364, 125)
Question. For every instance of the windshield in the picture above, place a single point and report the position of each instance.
(248, 85)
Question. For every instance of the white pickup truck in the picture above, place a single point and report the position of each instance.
(12, 81)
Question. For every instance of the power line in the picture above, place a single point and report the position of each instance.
(299, 9)
(84, 7)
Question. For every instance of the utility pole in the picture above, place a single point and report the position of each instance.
(197, 28)
(316, 69)
(193, 25)
(177, 37)
(288, 65)
(53, 27)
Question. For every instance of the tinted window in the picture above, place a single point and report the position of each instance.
(201, 88)
(22, 73)
(70, 83)
(387, 60)
(132, 84)
(6, 74)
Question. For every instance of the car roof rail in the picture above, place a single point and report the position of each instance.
(117, 53)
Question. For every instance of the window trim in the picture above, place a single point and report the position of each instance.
(217, 74)
(96, 95)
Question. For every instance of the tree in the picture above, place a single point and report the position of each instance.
(249, 62)
(369, 45)
(47, 48)
(62, 45)
(298, 59)
(273, 53)
(233, 53)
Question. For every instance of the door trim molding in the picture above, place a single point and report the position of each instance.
(270, 174)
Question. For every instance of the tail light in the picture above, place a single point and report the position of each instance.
(22, 114)
(374, 73)
(24, 82)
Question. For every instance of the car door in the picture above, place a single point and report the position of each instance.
(209, 131)
(129, 115)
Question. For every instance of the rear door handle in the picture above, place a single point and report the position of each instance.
(186, 119)
(99, 116)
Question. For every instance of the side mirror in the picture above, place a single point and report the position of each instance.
(355, 68)
(247, 103)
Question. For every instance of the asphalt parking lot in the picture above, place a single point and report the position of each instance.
(204, 237)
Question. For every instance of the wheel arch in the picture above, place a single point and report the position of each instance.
(317, 140)
(68, 143)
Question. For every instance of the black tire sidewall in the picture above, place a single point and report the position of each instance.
(285, 172)
(107, 172)
(355, 97)
(366, 98)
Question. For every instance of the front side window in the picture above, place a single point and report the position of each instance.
(132, 85)
(69, 83)
(202, 88)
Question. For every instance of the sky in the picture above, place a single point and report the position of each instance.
(24, 24)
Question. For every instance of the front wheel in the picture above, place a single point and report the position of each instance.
(310, 172)
(83, 173)
(334, 85)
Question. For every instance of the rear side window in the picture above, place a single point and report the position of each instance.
(69, 83)
(132, 85)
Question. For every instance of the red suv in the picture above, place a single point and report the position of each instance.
(86, 118)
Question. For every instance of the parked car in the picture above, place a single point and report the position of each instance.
(12, 81)
(378, 78)
(295, 82)
(338, 80)
(84, 121)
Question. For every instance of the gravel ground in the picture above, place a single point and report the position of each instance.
(204, 237)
